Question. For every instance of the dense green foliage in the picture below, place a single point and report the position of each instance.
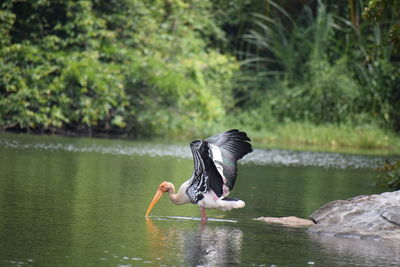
(163, 67)
(319, 67)
(136, 66)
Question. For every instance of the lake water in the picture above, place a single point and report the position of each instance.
(81, 202)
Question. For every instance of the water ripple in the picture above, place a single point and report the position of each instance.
(259, 156)
(311, 158)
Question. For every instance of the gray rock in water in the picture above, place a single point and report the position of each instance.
(392, 214)
(291, 221)
(374, 217)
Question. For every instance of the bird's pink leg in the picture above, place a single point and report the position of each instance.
(203, 214)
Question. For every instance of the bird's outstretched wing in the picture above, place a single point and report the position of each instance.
(225, 150)
(204, 171)
(215, 163)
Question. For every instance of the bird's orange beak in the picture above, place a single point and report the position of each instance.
(156, 197)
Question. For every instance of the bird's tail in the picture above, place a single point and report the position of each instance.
(231, 203)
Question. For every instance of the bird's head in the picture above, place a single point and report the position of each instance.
(165, 187)
(162, 188)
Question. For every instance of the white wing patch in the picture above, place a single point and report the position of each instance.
(216, 156)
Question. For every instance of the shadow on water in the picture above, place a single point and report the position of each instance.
(207, 245)
(176, 218)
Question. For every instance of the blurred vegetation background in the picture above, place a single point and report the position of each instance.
(294, 72)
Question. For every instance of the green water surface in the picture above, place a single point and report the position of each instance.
(81, 202)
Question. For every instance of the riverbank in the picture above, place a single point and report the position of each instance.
(364, 139)
(303, 136)
(341, 138)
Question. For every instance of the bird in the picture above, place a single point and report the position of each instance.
(214, 174)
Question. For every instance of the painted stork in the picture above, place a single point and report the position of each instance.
(214, 175)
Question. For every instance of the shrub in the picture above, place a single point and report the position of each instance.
(390, 175)
(138, 67)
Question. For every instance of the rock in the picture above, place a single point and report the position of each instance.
(375, 217)
(288, 221)
(392, 214)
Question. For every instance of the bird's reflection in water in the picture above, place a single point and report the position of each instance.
(207, 244)
(213, 246)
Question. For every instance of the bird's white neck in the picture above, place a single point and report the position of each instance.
(181, 197)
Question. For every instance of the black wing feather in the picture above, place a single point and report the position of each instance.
(199, 183)
(233, 145)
